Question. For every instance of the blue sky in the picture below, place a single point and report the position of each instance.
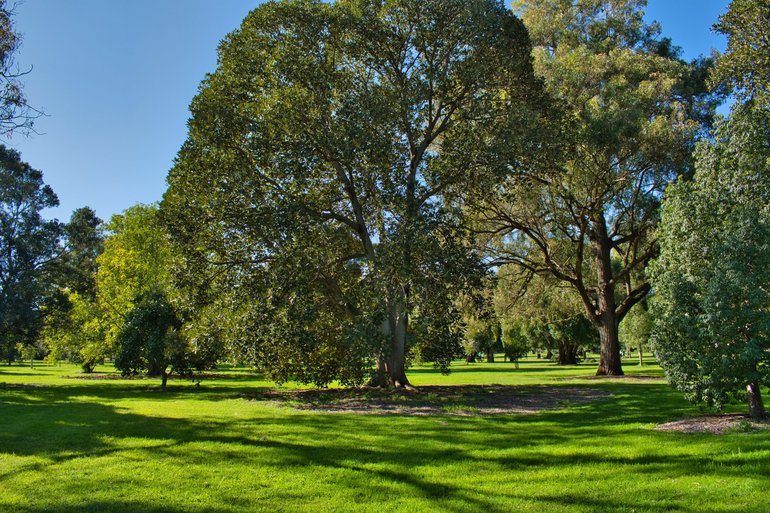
(116, 77)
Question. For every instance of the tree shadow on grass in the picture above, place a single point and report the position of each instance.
(360, 453)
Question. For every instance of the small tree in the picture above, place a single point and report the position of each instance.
(27, 352)
(516, 342)
(481, 337)
(150, 341)
(635, 330)
(547, 315)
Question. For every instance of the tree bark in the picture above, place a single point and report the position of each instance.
(756, 406)
(568, 354)
(490, 355)
(391, 368)
(164, 379)
(641, 356)
(609, 351)
(605, 317)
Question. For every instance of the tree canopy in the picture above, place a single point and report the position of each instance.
(711, 324)
(712, 280)
(318, 197)
(630, 113)
(29, 244)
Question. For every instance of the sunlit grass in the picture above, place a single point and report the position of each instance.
(70, 444)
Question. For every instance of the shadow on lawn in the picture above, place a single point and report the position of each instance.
(369, 450)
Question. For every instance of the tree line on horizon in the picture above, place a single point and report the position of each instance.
(368, 184)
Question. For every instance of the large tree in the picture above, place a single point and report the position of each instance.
(712, 280)
(69, 327)
(28, 246)
(317, 190)
(712, 303)
(587, 218)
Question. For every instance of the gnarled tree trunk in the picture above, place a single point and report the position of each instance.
(568, 354)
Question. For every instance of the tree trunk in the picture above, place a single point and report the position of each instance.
(164, 378)
(641, 356)
(609, 351)
(605, 318)
(391, 368)
(490, 355)
(756, 406)
(568, 354)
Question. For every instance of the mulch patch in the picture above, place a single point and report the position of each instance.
(459, 400)
(626, 377)
(715, 424)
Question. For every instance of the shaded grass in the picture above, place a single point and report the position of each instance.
(75, 445)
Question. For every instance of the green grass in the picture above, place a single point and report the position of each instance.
(73, 445)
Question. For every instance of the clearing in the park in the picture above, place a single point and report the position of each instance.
(488, 437)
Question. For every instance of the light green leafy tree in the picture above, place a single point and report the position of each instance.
(135, 260)
(635, 330)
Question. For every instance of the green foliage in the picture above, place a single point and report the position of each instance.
(517, 341)
(136, 259)
(746, 63)
(321, 185)
(84, 243)
(149, 339)
(712, 328)
(28, 245)
(636, 328)
(480, 336)
(74, 331)
(27, 352)
(71, 327)
(630, 111)
(540, 313)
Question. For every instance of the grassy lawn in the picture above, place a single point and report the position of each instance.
(72, 445)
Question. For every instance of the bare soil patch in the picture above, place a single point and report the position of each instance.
(460, 400)
(626, 377)
(715, 424)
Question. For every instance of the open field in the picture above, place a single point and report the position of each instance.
(76, 445)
